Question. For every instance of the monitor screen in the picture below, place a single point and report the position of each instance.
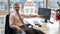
(45, 12)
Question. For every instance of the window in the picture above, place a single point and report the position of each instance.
(20, 2)
(53, 4)
(26, 11)
(2, 31)
(31, 10)
(34, 1)
(40, 3)
(1, 21)
(11, 6)
(12, 2)
(2, 24)
(3, 5)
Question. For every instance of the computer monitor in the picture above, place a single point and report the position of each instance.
(45, 12)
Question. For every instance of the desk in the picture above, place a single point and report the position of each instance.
(36, 20)
(47, 28)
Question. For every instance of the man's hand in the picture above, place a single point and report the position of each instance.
(19, 29)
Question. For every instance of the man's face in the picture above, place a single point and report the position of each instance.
(16, 7)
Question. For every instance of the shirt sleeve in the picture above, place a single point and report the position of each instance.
(11, 19)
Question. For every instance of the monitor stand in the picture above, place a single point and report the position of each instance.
(47, 21)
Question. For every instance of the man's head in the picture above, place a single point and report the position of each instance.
(16, 7)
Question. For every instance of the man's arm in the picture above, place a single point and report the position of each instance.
(12, 24)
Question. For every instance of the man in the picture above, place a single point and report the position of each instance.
(15, 22)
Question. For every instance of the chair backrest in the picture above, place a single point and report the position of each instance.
(7, 21)
(8, 30)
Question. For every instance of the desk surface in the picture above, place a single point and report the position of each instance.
(46, 27)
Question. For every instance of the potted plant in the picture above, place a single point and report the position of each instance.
(58, 13)
(58, 4)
